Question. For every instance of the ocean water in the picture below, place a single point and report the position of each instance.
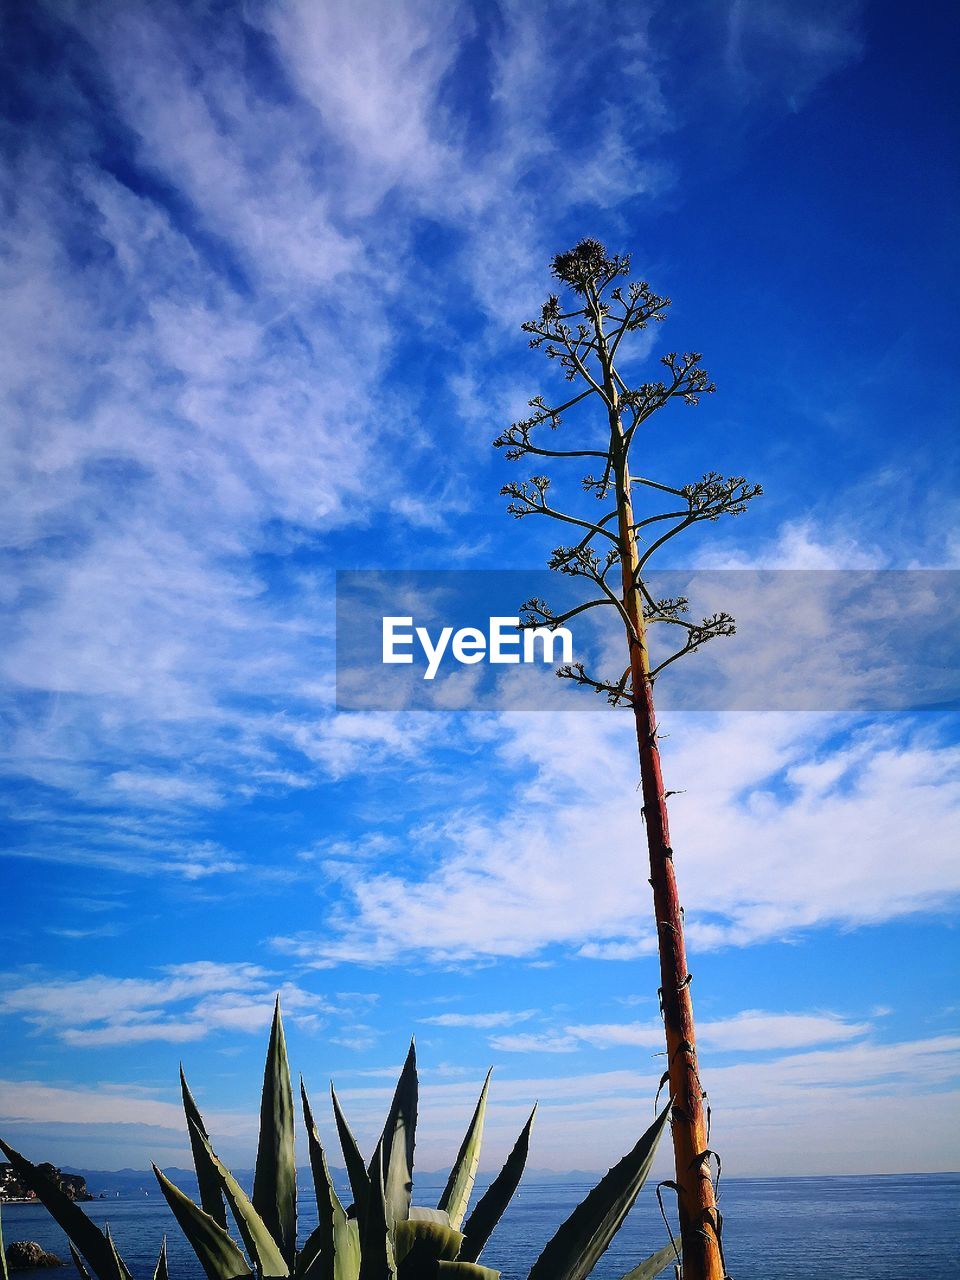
(884, 1228)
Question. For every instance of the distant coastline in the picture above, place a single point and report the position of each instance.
(136, 1184)
(12, 1191)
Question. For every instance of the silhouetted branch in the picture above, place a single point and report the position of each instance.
(720, 624)
(617, 694)
(529, 499)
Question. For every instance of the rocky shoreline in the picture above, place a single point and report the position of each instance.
(27, 1255)
(12, 1190)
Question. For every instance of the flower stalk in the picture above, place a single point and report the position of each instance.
(585, 340)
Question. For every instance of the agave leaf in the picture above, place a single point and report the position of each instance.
(465, 1271)
(376, 1252)
(322, 1182)
(113, 1249)
(160, 1271)
(489, 1209)
(653, 1265)
(397, 1142)
(346, 1256)
(219, 1256)
(417, 1214)
(332, 1219)
(356, 1166)
(456, 1195)
(86, 1235)
(77, 1262)
(318, 1261)
(275, 1176)
(260, 1244)
(308, 1258)
(418, 1245)
(579, 1243)
(208, 1180)
(4, 1274)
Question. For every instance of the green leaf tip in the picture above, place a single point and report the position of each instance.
(584, 1237)
(217, 1253)
(397, 1142)
(160, 1271)
(275, 1173)
(356, 1165)
(493, 1203)
(260, 1244)
(208, 1180)
(456, 1194)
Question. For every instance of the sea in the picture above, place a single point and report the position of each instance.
(897, 1227)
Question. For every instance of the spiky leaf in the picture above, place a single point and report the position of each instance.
(579, 1243)
(653, 1265)
(211, 1197)
(491, 1205)
(376, 1252)
(356, 1165)
(346, 1255)
(219, 1256)
(456, 1194)
(86, 1235)
(116, 1256)
(332, 1226)
(309, 1258)
(418, 1245)
(77, 1262)
(397, 1142)
(419, 1214)
(160, 1271)
(317, 1260)
(465, 1271)
(275, 1175)
(260, 1244)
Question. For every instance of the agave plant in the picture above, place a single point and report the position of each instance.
(380, 1235)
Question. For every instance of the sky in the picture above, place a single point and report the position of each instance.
(264, 268)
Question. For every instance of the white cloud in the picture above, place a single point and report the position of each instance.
(374, 74)
(798, 544)
(481, 1021)
(187, 1003)
(223, 367)
(861, 1108)
(534, 1043)
(858, 1108)
(766, 845)
(43, 1103)
(780, 49)
(751, 1030)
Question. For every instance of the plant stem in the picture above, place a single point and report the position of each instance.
(702, 1255)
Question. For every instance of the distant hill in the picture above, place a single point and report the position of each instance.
(139, 1182)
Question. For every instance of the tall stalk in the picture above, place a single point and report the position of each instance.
(586, 340)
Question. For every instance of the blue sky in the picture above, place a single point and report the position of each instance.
(264, 271)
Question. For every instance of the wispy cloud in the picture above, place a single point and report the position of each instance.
(188, 1002)
(780, 829)
(868, 1107)
(780, 50)
(262, 272)
(531, 1042)
(750, 1030)
(481, 1021)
